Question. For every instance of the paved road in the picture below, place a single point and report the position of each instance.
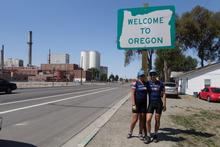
(51, 116)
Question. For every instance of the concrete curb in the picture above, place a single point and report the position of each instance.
(85, 136)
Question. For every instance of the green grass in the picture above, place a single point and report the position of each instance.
(187, 122)
(210, 115)
(198, 123)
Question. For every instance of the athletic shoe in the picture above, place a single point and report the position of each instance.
(129, 135)
(147, 139)
(155, 138)
(140, 136)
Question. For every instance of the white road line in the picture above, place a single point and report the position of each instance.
(21, 124)
(47, 97)
(41, 104)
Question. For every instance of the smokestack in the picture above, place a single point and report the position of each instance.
(2, 58)
(49, 57)
(30, 49)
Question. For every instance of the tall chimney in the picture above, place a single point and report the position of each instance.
(30, 49)
(49, 57)
(2, 58)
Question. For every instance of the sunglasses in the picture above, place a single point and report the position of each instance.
(153, 74)
(142, 76)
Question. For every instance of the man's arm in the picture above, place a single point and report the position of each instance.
(164, 100)
(132, 96)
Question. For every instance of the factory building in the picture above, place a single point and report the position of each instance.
(89, 59)
(10, 62)
(59, 58)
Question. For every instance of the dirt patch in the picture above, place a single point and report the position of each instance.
(200, 128)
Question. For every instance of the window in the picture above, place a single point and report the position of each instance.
(170, 84)
(206, 90)
(215, 90)
(207, 82)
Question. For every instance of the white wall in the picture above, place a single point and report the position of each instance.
(84, 60)
(59, 59)
(94, 59)
(196, 81)
(90, 59)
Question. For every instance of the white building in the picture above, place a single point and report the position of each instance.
(89, 59)
(193, 81)
(10, 62)
(84, 60)
(59, 59)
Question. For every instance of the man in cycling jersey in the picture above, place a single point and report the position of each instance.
(157, 103)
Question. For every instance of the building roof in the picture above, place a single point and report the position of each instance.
(201, 69)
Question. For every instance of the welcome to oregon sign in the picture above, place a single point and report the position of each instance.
(144, 28)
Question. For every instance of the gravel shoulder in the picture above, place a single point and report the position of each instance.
(188, 121)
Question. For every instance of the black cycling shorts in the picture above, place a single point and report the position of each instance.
(141, 107)
(157, 106)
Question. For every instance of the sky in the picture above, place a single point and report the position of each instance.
(72, 26)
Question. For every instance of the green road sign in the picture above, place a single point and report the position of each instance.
(146, 28)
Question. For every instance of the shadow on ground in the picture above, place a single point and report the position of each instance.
(9, 143)
(3, 93)
(170, 134)
(172, 96)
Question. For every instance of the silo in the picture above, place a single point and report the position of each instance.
(84, 60)
(94, 59)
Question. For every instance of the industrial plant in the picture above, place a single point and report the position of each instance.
(57, 69)
(91, 59)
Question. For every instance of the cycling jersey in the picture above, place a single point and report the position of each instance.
(140, 91)
(155, 90)
(140, 96)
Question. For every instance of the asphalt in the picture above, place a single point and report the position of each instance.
(49, 117)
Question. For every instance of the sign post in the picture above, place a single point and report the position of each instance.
(146, 28)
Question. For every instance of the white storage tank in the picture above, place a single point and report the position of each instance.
(94, 59)
(84, 60)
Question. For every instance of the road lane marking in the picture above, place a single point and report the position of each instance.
(45, 103)
(47, 97)
(21, 124)
(85, 136)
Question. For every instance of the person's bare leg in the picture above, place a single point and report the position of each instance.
(149, 118)
(156, 128)
(134, 120)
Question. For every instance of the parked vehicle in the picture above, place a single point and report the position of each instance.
(210, 94)
(6, 86)
(171, 89)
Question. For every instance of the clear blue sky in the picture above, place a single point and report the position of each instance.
(70, 26)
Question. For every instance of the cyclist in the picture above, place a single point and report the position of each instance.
(139, 105)
(157, 102)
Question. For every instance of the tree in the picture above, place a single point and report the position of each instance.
(168, 60)
(111, 77)
(95, 73)
(200, 29)
(116, 78)
(130, 55)
(103, 77)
